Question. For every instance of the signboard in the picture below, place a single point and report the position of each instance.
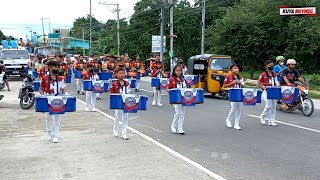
(54, 35)
(297, 11)
(156, 46)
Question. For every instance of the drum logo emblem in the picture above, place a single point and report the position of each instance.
(287, 94)
(57, 104)
(130, 102)
(188, 95)
(249, 96)
(189, 79)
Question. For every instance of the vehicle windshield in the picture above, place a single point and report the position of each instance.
(220, 63)
(14, 54)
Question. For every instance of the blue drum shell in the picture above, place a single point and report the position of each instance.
(143, 103)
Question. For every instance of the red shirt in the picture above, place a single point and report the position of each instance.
(80, 66)
(266, 80)
(116, 86)
(45, 83)
(87, 75)
(137, 65)
(42, 72)
(154, 72)
(230, 78)
(173, 82)
(63, 68)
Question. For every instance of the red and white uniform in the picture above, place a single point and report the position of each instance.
(235, 111)
(156, 91)
(118, 88)
(91, 97)
(270, 108)
(178, 118)
(52, 87)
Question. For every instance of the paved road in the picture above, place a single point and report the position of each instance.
(256, 152)
(86, 149)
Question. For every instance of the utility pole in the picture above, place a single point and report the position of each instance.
(203, 6)
(90, 29)
(44, 36)
(83, 51)
(118, 22)
(171, 35)
(161, 31)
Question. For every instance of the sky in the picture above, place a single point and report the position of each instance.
(27, 14)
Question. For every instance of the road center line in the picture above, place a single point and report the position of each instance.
(289, 124)
(166, 148)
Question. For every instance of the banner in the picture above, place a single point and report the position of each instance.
(189, 80)
(97, 86)
(130, 103)
(249, 96)
(189, 96)
(287, 94)
(164, 83)
(57, 104)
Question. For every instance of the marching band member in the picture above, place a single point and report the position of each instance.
(44, 70)
(112, 63)
(90, 96)
(97, 64)
(127, 62)
(120, 87)
(80, 66)
(234, 80)
(177, 81)
(63, 67)
(137, 65)
(184, 68)
(52, 84)
(157, 72)
(268, 78)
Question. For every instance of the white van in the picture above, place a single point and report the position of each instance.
(15, 60)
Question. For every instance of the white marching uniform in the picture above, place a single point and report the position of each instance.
(91, 97)
(235, 111)
(178, 119)
(79, 83)
(53, 121)
(120, 115)
(157, 93)
(270, 108)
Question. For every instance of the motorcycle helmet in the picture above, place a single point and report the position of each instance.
(279, 58)
(291, 61)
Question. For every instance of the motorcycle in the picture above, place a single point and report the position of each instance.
(26, 93)
(304, 103)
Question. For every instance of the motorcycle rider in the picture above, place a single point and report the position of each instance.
(289, 76)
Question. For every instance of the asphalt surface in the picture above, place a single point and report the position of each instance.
(256, 152)
(86, 150)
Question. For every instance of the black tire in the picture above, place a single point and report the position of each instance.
(225, 95)
(213, 94)
(311, 108)
(31, 100)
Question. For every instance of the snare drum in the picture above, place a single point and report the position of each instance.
(41, 104)
(116, 101)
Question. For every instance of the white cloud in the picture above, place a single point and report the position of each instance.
(62, 13)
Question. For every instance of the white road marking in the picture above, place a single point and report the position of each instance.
(166, 148)
(149, 127)
(134, 117)
(151, 91)
(289, 124)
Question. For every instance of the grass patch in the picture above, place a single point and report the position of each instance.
(314, 95)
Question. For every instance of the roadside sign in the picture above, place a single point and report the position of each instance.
(156, 46)
(54, 35)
